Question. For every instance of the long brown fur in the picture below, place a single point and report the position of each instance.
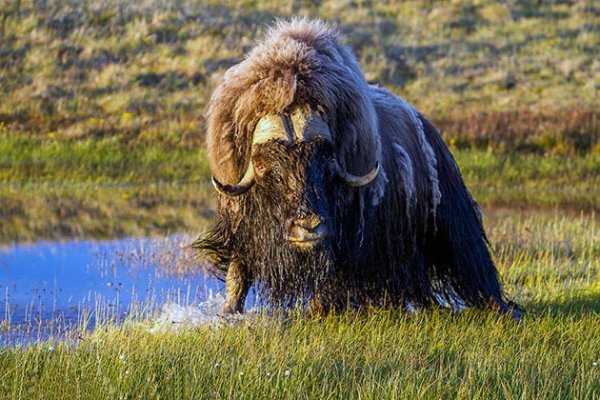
(301, 63)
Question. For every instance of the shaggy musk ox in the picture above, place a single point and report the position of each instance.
(335, 193)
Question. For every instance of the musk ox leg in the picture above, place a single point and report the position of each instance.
(319, 306)
(237, 284)
(329, 298)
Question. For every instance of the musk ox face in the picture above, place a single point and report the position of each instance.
(286, 199)
(295, 183)
(287, 234)
(293, 174)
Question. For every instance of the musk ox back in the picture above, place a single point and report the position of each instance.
(333, 192)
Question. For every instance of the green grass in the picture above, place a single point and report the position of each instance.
(59, 189)
(382, 355)
(39, 212)
(30, 160)
(549, 262)
(529, 180)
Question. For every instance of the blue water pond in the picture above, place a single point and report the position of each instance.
(49, 288)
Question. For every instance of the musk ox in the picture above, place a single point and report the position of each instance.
(334, 193)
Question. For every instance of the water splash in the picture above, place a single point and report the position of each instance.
(175, 317)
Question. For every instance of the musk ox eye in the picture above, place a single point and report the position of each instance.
(260, 167)
(331, 165)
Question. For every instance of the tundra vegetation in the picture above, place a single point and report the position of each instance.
(101, 128)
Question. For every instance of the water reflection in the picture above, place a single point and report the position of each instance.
(51, 288)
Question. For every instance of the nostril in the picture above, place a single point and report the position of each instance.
(309, 223)
(306, 230)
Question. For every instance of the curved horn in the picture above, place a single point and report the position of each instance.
(353, 180)
(235, 190)
(268, 127)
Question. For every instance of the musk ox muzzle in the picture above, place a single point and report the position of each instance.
(307, 230)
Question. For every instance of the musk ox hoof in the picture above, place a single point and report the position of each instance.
(515, 311)
(232, 308)
(317, 309)
(516, 315)
(315, 313)
(511, 310)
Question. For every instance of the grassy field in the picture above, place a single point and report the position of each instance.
(521, 73)
(550, 263)
(101, 131)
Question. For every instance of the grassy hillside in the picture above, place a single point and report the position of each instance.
(521, 73)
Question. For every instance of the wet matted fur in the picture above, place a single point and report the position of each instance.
(414, 234)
